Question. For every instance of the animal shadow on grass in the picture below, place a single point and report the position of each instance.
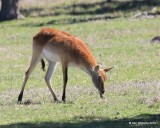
(140, 121)
(82, 9)
(30, 102)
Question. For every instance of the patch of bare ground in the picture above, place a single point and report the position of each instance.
(145, 93)
(4, 49)
(8, 54)
(43, 95)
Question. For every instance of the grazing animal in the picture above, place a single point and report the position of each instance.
(55, 46)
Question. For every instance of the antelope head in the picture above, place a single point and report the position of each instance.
(99, 77)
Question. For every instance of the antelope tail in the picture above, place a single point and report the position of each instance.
(43, 64)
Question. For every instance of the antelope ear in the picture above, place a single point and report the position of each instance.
(96, 69)
(108, 69)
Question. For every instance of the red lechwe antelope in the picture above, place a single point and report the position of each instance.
(56, 45)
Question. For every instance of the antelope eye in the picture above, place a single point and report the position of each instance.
(99, 78)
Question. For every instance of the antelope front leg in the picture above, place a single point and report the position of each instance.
(65, 79)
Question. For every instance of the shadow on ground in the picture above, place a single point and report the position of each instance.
(105, 7)
(71, 20)
(84, 12)
(140, 121)
(101, 7)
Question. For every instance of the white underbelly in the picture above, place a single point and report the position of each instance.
(72, 64)
(51, 56)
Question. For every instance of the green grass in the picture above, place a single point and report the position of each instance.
(132, 89)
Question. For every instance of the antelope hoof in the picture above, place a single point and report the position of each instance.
(20, 98)
(18, 102)
(55, 99)
(64, 100)
(101, 96)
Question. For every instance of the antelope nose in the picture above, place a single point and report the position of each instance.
(103, 91)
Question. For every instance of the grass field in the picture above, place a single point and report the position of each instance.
(132, 97)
